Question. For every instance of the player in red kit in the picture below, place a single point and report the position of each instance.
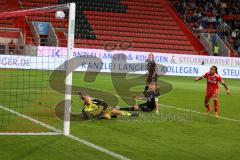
(212, 91)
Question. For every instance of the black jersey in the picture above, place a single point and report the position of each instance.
(151, 67)
(151, 95)
(152, 71)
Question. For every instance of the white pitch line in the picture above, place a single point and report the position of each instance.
(89, 144)
(187, 110)
(31, 119)
(118, 156)
(31, 134)
(182, 109)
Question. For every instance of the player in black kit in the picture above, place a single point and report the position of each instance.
(152, 71)
(151, 96)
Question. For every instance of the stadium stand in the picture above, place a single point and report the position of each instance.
(219, 16)
(137, 25)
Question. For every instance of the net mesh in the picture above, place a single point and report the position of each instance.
(30, 41)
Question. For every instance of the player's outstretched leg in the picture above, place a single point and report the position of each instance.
(123, 113)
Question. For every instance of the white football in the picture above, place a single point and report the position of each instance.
(60, 15)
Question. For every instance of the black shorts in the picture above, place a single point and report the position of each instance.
(151, 78)
(146, 107)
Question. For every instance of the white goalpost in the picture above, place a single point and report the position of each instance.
(27, 103)
(68, 92)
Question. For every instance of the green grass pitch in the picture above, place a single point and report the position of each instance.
(189, 136)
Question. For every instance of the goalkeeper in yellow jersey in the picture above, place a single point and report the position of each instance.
(95, 108)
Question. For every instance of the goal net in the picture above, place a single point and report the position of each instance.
(35, 45)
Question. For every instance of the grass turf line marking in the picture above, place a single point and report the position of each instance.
(118, 156)
(31, 134)
(182, 109)
(187, 110)
(89, 144)
(31, 119)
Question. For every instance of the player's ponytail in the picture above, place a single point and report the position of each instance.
(216, 69)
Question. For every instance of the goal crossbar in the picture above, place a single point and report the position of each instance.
(33, 11)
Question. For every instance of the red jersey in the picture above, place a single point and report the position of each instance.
(212, 82)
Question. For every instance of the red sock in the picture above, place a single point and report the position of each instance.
(207, 103)
(216, 105)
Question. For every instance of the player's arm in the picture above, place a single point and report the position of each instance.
(80, 95)
(102, 103)
(199, 78)
(226, 87)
